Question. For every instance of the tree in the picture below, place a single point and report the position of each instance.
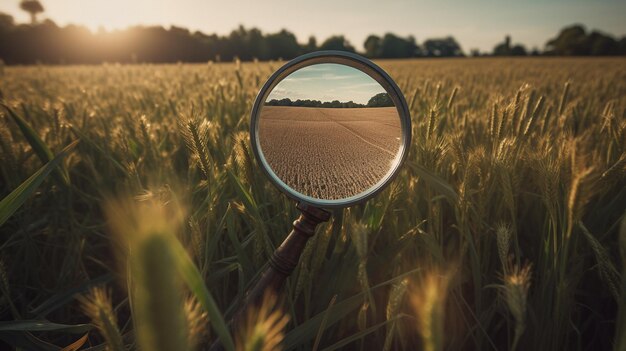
(33, 7)
(372, 46)
(283, 45)
(475, 52)
(257, 46)
(6, 21)
(337, 42)
(311, 45)
(380, 100)
(574, 40)
(505, 48)
(393, 46)
(602, 45)
(518, 50)
(621, 45)
(446, 47)
(570, 41)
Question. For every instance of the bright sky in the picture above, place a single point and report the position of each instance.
(327, 82)
(475, 24)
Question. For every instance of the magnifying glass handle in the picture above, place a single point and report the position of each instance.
(282, 263)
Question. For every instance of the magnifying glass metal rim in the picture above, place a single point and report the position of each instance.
(352, 60)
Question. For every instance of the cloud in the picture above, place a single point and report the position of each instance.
(318, 68)
(337, 77)
(363, 85)
(323, 77)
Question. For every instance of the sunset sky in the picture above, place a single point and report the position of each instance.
(475, 24)
(327, 82)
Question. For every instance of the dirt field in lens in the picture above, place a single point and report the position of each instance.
(329, 153)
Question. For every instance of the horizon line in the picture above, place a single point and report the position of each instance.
(102, 29)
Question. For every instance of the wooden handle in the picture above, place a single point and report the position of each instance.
(282, 263)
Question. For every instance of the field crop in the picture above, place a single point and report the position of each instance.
(329, 153)
(503, 230)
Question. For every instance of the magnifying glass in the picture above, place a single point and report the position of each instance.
(330, 129)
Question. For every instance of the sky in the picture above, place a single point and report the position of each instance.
(313, 83)
(477, 24)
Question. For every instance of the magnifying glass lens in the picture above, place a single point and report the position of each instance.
(330, 133)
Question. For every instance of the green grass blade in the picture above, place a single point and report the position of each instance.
(41, 149)
(192, 277)
(39, 325)
(435, 182)
(96, 147)
(39, 146)
(17, 197)
(243, 259)
(318, 338)
(248, 200)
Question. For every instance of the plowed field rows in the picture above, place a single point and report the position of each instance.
(329, 153)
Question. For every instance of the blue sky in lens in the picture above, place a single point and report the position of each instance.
(474, 23)
(327, 82)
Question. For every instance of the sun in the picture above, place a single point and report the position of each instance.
(106, 14)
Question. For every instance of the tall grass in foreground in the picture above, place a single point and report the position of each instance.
(263, 327)
(429, 304)
(516, 181)
(97, 305)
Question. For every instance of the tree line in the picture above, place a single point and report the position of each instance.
(46, 42)
(378, 100)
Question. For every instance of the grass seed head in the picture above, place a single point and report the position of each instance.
(515, 289)
(197, 322)
(503, 238)
(98, 307)
(428, 300)
(147, 229)
(264, 327)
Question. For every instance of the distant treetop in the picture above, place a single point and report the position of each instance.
(575, 41)
(337, 42)
(378, 100)
(33, 7)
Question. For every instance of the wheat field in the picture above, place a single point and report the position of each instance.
(504, 229)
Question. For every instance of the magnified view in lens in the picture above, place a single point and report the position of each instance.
(329, 131)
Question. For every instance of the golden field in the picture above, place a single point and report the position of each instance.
(329, 153)
(504, 229)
